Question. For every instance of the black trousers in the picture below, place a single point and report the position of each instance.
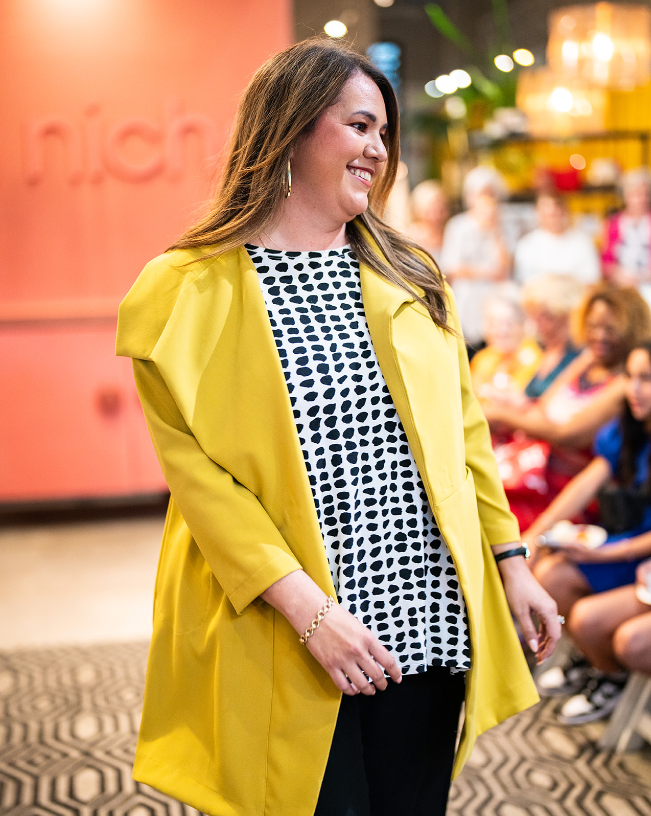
(392, 753)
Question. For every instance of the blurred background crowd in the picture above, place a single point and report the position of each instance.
(525, 173)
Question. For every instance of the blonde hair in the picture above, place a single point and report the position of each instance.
(483, 178)
(282, 103)
(558, 294)
(631, 312)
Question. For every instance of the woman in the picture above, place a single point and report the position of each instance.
(477, 252)
(554, 246)
(626, 255)
(622, 451)
(430, 212)
(549, 302)
(290, 352)
(589, 393)
(613, 629)
(505, 366)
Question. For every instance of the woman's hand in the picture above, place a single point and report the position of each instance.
(347, 650)
(579, 554)
(527, 597)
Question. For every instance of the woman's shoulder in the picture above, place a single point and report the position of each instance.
(608, 440)
(148, 305)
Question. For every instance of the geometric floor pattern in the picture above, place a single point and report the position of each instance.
(531, 764)
(68, 724)
(69, 718)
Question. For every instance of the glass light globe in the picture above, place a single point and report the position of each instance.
(523, 57)
(335, 28)
(504, 63)
(445, 84)
(461, 77)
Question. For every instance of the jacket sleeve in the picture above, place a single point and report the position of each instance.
(236, 536)
(499, 524)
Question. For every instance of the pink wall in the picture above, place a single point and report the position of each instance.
(113, 113)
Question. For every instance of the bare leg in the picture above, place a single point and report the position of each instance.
(563, 580)
(632, 642)
(594, 621)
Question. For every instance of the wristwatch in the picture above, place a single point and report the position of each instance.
(523, 550)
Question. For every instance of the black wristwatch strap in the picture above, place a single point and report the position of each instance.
(510, 553)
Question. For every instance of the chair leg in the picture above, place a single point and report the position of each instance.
(621, 733)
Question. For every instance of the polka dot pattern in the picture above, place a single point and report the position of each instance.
(390, 565)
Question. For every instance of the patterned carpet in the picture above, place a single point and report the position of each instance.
(70, 716)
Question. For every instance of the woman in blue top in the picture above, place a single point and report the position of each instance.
(618, 477)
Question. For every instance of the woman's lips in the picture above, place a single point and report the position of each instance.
(360, 173)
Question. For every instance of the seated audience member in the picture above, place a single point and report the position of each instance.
(619, 478)
(476, 252)
(430, 212)
(626, 255)
(510, 359)
(613, 630)
(549, 302)
(555, 247)
(584, 397)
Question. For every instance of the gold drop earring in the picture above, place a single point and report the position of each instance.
(289, 179)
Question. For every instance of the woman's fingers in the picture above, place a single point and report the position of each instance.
(528, 628)
(526, 597)
(385, 660)
(353, 657)
(343, 683)
(550, 630)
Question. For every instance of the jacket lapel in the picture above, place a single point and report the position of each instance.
(420, 366)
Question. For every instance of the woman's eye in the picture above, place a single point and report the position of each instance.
(360, 125)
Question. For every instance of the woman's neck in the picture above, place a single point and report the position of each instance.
(301, 226)
(557, 346)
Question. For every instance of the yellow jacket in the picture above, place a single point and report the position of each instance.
(238, 716)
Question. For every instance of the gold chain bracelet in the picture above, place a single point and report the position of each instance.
(311, 629)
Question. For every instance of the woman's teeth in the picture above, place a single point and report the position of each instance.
(363, 174)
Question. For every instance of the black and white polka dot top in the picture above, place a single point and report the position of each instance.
(390, 565)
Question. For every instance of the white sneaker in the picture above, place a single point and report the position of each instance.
(596, 701)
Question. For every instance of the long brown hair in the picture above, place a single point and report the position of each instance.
(635, 437)
(282, 102)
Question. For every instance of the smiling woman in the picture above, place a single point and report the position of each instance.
(327, 593)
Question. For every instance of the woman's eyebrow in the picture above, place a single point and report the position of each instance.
(366, 113)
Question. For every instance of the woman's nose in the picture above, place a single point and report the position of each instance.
(375, 149)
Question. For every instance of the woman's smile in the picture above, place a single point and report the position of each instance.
(363, 175)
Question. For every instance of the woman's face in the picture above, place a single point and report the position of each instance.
(603, 336)
(503, 327)
(636, 198)
(638, 384)
(550, 328)
(552, 216)
(337, 162)
(433, 209)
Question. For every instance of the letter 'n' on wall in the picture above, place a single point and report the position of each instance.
(36, 135)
